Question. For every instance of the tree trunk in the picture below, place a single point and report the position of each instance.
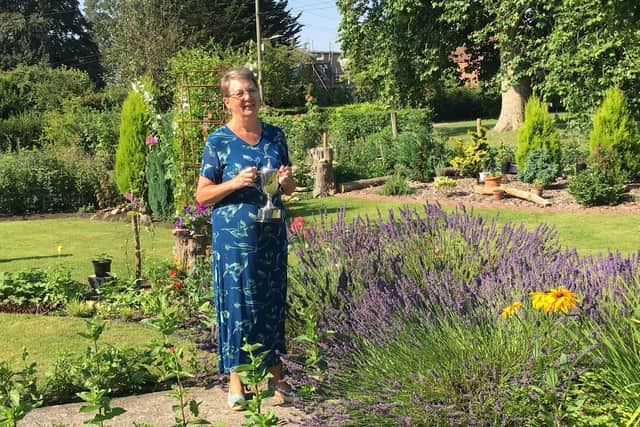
(189, 246)
(514, 96)
(322, 165)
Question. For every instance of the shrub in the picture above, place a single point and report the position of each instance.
(35, 287)
(419, 152)
(396, 185)
(81, 126)
(474, 156)
(614, 127)
(350, 126)
(537, 131)
(540, 165)
(20, 131)
(603, 183)
(573, 153)
(46, 181)
(131, 152)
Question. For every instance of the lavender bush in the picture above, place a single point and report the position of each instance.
(415, 303)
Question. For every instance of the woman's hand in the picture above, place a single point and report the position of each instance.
(285, 179)
(246, 178)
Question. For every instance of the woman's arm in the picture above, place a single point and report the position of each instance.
(208, 193)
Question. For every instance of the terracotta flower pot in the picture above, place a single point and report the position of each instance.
(498, 194)
(492, 181)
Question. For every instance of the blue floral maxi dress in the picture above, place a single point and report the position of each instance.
(249, 259)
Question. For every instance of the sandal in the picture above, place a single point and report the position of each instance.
(287, 395)
(236, 401)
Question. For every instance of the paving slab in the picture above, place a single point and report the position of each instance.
(155, 409)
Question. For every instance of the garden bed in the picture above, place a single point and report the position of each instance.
(557, 194)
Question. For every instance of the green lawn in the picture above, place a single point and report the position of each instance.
(27, 244)
(460, 129)
(34, 243)
(47, 338)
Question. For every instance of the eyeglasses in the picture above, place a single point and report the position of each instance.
(252, 92)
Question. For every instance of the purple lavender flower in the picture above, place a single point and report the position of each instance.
(179, 222)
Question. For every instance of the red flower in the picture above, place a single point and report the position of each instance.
(297, 224)
(172, 273)
(171, 349)
(177, 285)
(306, 233)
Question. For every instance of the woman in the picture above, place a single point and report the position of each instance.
(249, 258)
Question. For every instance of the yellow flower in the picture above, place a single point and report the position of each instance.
(561, 299)
(511, 310)
(59, 249)
(540, 301)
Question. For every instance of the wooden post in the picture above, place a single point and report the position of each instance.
(394, 124)
(322, 164)
(478, 125)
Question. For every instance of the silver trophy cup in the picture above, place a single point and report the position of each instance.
(269, 184)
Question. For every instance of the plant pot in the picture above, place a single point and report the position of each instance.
(505, 167)
(102, 267)
(482, 176)
(498, 194)
(513, 169)
(492, 181)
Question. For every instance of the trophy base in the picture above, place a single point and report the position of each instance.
(269, 215)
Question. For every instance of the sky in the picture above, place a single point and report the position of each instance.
(320, 19)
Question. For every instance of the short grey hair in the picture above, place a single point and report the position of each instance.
(241, 73)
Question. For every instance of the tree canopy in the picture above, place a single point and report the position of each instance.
(137, 37)
(396, 51)
(50, 31)
(566, 50)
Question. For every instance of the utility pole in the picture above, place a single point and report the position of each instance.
(259, 46)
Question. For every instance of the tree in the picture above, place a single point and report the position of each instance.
(594, 45)
(515, 31)
(51, 31)
(131, 151)
(397, 51)
(138, 36)
(233, 22)
(135, 37)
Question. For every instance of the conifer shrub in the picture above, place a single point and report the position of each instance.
(614, 127)
(538, 131)
(540, 165)
(159, 182)
(131, 151)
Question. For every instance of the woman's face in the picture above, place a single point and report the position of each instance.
(243, 100)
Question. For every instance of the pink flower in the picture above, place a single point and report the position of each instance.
(306, 233)
(297, 224)
(128, 195)
(151, 140)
